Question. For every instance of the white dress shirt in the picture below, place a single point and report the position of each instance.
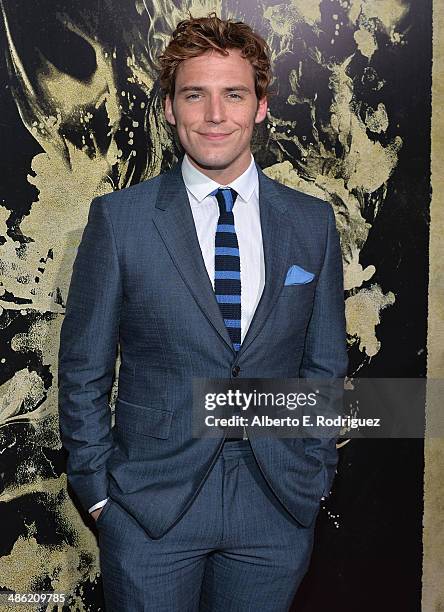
(247, 223)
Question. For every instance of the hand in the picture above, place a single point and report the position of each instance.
(96, 513)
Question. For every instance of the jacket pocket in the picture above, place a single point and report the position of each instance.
(298, 290)
(142, 419)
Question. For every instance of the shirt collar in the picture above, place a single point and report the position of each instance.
(201, 185)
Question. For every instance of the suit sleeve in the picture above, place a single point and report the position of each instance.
(325, 352)
(87, 355)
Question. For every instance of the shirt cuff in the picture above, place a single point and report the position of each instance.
(99, 504)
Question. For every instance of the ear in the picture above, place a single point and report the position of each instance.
(169, 115)
(262, 108)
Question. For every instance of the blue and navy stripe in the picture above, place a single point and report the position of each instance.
(227, 282)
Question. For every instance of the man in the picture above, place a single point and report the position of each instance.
(193, 273)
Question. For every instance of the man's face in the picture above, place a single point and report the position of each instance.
(214, 111)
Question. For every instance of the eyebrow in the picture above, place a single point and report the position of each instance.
(200, 88)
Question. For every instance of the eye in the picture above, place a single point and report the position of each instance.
(236, 95)
(192, 96)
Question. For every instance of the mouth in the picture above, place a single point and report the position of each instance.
(210, 136)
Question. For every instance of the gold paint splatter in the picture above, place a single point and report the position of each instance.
(23, 391)
(388, 12)
(282, 19)
(287, 175)
(377, 120)
(28, 390)
(355, 274)
(368, 164)
(65, 565)
(308, 12)
(365, 42)
(362, 312)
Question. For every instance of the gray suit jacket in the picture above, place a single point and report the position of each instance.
(139, 279)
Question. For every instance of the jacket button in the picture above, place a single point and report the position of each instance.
(235, 371)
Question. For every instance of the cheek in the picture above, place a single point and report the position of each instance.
(246, 119)
(185, 117)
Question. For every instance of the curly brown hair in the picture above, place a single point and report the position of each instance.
(194, 36)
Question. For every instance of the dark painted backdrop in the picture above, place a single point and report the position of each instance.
(349, 121)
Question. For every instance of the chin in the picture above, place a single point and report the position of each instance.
(212, 160)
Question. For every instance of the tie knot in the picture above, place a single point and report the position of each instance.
(226, 197)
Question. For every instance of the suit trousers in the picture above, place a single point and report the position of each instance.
(235, 549)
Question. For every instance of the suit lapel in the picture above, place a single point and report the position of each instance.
(174, 221)
(276, 233)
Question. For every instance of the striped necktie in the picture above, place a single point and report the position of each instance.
(227, 282)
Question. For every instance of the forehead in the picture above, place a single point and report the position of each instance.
(214, 68)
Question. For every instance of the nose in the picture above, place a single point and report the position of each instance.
(214, 109)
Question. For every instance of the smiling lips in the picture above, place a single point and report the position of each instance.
(215, 136)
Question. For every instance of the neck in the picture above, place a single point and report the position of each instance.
(223, 175)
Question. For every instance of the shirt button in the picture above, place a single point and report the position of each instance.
(235, 371)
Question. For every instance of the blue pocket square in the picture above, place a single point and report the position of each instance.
(298, 276)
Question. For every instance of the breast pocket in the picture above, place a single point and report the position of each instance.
(299, 291)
